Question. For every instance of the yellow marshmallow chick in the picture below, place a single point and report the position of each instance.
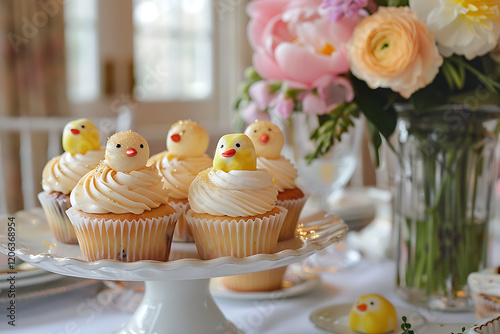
(80, 136)
(187, 139)
(126, 151)
(267, 139)
(235, 152)
(372, 314)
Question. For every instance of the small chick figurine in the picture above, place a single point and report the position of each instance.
(80, 136)
(187, 139)
(372, 314)
(235, 152)
(126, 151)
(267, 138)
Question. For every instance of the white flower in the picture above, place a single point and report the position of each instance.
(463, 27)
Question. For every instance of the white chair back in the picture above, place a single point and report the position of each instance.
(31, 160)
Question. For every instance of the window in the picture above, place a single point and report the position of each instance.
(173, 49)
(81, 50)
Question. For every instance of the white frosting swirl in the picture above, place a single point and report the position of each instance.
(105, 190)
(179, 173)
(237, 193)
(63, 172)
(282, 169)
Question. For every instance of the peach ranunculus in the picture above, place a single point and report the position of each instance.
(393, 49)
(295, 41)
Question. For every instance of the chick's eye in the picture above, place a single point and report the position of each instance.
(83, 126)
(270, 130)
(118, 146)
(254, 131)
(142, 146)
(372, 303)
(238, 145)
(222, 146)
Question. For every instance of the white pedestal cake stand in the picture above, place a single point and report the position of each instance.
(177, 298)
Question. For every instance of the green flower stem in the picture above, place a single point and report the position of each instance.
(446, 241)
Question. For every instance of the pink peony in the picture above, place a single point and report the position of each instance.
(295, 41)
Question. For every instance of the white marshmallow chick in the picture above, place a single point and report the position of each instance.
(187, 139)
(126, 151)
(267, 139)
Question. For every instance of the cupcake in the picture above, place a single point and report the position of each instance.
(268, 141)
(267, 280)
(233, 205)
(62, 173)
(185, 157)
(119, 209)
(485, 291)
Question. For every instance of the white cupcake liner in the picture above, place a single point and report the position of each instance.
(125, 240)
(489, 326)
(55, 210)
(239, 237)
(484, 307)
(182, 232)
(294, 207)
(268, 280)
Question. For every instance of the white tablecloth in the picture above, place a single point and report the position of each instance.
(76, 312)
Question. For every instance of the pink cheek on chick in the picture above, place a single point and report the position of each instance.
(264, 139)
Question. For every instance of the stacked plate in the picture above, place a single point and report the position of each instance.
(23, 275)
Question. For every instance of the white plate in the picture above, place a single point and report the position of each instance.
(36, 245)
(444, 329)
(295, 282)
(21, 273)
(44, 278)
(335, 319)
(46, 289)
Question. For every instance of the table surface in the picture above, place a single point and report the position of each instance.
(76, 312)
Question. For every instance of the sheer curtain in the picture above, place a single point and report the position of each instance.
(32, 77)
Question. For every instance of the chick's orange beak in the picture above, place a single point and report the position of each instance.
(131, 152)
(176, 137)
(264, 138)
(361, 307)
(75, 131)
(229, 153)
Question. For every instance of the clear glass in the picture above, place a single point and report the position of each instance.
(324, 178)
(82, 50)
(442, 202)
(173, 49)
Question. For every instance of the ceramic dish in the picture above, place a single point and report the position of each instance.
(296, 282)
(335, 319)
(37, 246)
(21, 271)
(56, 287)
(34, 280)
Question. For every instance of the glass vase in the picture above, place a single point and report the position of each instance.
(443, 201)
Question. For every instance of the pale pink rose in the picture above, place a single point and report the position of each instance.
(283, 105)
(252, 113)
(260, 94)
(393, 49)
(294, 41)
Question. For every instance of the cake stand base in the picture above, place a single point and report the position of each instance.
(180, 307)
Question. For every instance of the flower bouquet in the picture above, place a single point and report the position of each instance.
(429, 68)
